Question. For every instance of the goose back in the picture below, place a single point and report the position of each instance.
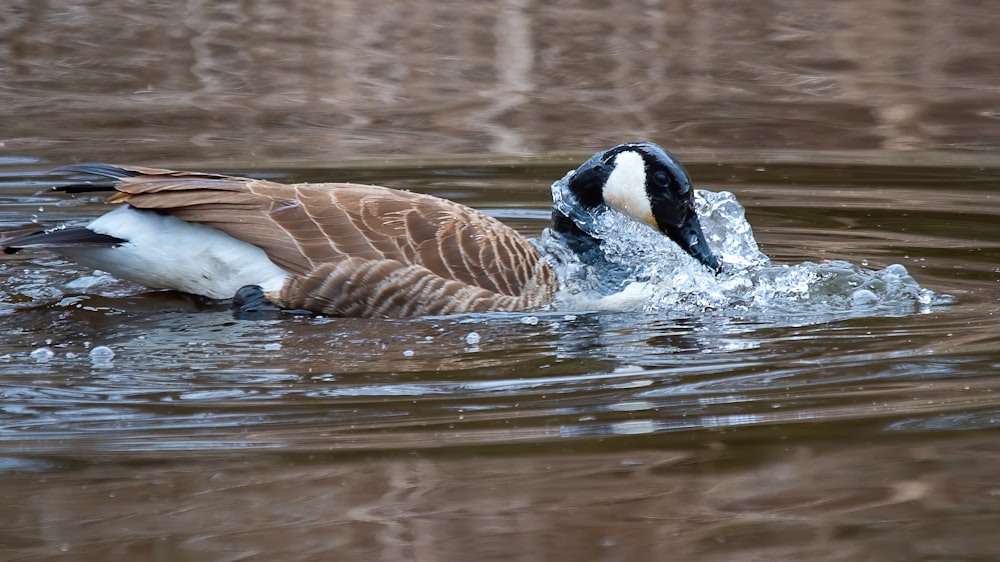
(358, 250)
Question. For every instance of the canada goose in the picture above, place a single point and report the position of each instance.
(358, 250)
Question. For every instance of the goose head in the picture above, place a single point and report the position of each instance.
(644, 182)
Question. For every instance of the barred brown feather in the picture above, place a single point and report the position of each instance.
(359, 250)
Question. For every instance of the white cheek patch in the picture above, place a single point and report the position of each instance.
(625, 190)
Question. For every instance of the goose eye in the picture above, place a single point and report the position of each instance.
(661, 179)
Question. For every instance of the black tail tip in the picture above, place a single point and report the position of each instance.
(95, 169)
(106, 174)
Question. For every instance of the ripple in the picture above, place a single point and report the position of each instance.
(798, 350)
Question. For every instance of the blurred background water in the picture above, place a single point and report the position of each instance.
(857, 131)
(321, 82)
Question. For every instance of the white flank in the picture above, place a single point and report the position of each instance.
(164, 252)
(625, 190)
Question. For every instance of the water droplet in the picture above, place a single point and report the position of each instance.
(472, 338)
(408, 353)
(101, 355)
(42, 354)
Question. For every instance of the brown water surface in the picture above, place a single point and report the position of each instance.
(861, 131)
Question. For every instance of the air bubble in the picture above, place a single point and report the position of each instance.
(101, 355)
(42, 355)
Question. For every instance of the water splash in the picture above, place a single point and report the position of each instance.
(663, 278)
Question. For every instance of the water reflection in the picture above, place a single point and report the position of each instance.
(716, 502)
(582, 436)
(397, 433)
(339, 78)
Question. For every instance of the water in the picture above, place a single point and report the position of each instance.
(786, 395)
(814, 401)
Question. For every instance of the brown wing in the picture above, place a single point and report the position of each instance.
(304, 226)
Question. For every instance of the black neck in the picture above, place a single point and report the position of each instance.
(609, 277)
(580, 242)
